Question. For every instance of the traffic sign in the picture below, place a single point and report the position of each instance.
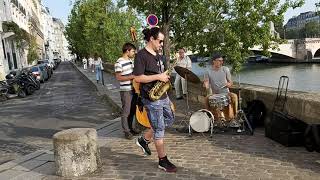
(152, 20)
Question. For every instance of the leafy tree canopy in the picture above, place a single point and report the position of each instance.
(229, 26)
(99, 27)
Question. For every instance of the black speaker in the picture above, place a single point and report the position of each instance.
(285, 129)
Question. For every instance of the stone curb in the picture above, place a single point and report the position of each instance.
(105, 96)
(84, 77)
(16, 165)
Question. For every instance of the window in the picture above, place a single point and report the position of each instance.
(34, 69)
(4, 49)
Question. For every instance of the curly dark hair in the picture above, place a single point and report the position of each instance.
(151, 32)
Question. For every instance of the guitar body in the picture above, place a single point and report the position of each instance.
(141, 113)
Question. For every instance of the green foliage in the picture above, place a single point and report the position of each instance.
(20, 35)
(32, 51)
(310, 30)
(229, 26)
(99, 26)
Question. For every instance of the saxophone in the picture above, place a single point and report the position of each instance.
(161, 87)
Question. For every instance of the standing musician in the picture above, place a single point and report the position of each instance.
(148, 69)
(218, 78)
(185, 62)
(123, 69)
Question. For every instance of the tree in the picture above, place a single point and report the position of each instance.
(312, 29)
(32, 50)
(293, 34)
(99, 26)
(205, 26)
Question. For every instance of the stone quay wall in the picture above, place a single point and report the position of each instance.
(302, 105)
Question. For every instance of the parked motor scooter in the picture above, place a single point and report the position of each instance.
(28, 82)
(34, 79)
(14, 86)
(3, 91)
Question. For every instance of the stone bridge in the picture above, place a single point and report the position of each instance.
(295, 50)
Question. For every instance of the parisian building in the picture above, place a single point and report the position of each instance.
(35, 20)
(301, 20)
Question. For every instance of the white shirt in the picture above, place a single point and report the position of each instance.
(97, 62)
(125, 67)
(185, 62)
(84, 61)
(90, 61)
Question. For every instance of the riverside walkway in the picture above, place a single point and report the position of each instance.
(225, 156)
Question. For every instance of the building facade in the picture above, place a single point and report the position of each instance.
(47, 24)
(35, 26)
(301, 20)
(58, 36)
(14, 55)
(35, 20)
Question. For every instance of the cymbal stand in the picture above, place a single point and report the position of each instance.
(188, 112)
(241, 116)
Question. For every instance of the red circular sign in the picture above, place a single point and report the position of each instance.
(152, 20)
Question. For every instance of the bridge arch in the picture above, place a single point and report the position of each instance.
(317, 54)
(273, 54)
(308, 55)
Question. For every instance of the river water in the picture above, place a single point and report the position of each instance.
(302, 77)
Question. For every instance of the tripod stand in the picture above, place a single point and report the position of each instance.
(241, 116)
(188, 112)
(189, 76)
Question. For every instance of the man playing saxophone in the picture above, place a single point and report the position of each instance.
(148, 70)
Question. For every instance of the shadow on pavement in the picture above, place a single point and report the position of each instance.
(129, 166)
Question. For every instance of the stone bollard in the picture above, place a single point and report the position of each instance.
(76, 152)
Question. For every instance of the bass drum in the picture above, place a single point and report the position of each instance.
(201, 121)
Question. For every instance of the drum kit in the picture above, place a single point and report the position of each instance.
(204, 120)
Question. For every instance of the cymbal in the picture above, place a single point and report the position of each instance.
(186, 73)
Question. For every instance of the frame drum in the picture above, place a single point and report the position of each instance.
(201, 121)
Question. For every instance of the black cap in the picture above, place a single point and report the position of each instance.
(216, 56)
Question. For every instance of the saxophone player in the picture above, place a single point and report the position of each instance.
(148, 69)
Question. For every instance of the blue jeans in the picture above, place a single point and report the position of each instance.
(98, 73)
(160, 115)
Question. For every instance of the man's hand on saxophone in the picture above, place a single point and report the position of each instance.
(163, 77)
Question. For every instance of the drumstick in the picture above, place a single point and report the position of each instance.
(223, 86)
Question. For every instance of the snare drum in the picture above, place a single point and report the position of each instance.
(201, 121)
(219, 100)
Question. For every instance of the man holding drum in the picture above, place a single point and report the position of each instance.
(218, 78)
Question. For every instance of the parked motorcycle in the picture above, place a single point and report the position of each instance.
(3, 91)
(29, 81)
(15, 87)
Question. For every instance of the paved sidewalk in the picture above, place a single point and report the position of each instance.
(225, 156)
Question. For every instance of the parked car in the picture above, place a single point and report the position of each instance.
(40, 72)
(57, 61)
(48, 65)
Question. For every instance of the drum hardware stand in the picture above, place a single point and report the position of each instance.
(241, 116)
(188, 112)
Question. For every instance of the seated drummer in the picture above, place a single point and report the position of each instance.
(218, 78)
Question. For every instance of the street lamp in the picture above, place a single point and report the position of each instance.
(101, 26)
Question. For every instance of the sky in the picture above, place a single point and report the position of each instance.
(61, 9)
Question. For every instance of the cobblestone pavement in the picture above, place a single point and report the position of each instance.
(65, 101)
(225, 156)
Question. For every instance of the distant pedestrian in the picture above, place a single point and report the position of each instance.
(123, 69)
(91, 63)
(98, 67)
(85, 63)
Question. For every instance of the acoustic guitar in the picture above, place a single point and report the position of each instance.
(141, 113)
